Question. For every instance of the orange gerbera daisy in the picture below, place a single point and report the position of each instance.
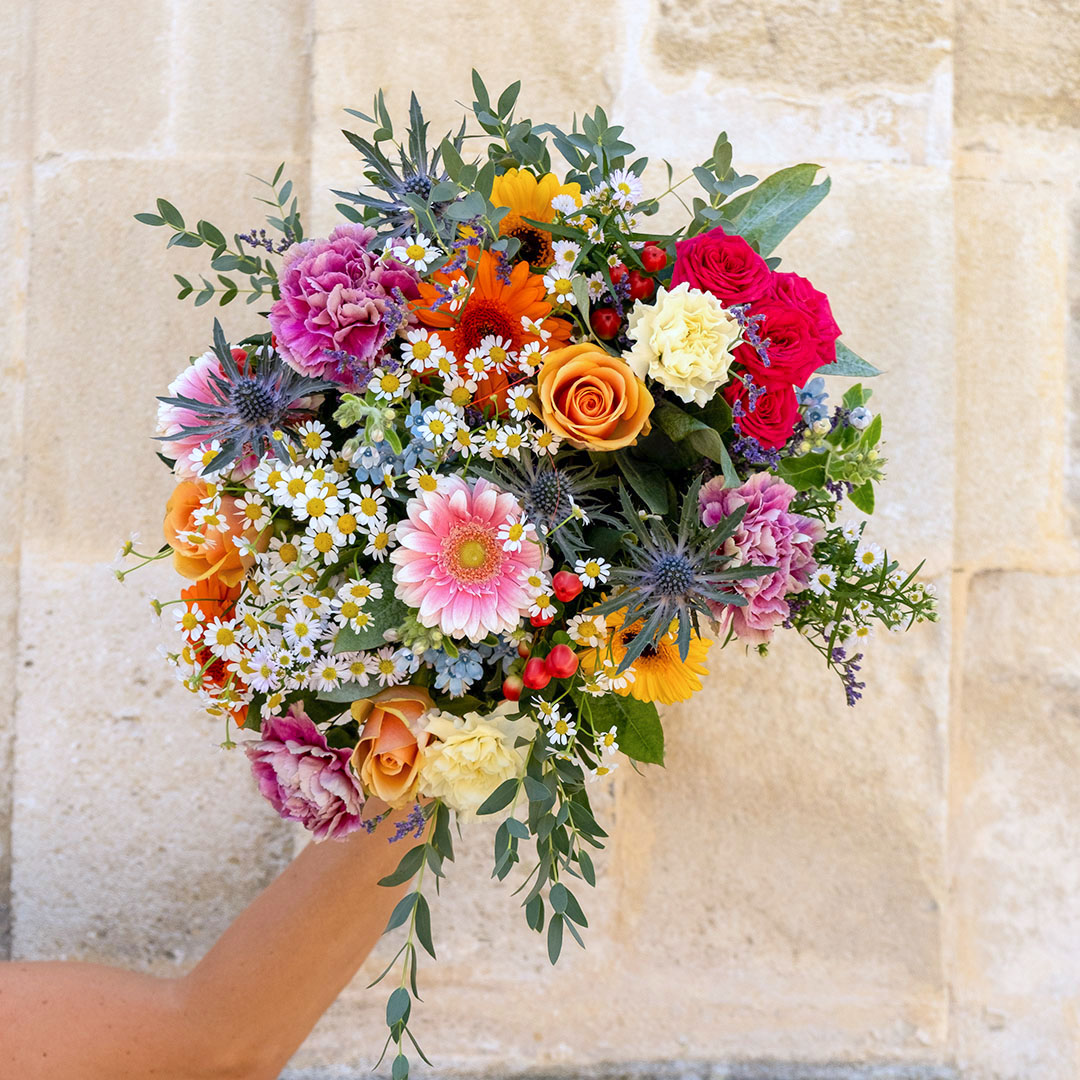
(494, 307)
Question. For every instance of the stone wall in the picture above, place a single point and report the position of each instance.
(893, 889)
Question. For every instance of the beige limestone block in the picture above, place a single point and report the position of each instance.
(15, 79)
(431, 47)
(1018, 61)
(1012, 286)
(137, 839)
(240, 84)
(91, 474)
(803, 43)
(1015, 753)
(101, 79)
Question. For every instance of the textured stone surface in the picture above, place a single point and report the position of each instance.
(890, 889)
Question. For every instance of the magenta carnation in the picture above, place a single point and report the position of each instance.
(335, 298)
(452, 564)
(768, 535)
(304, 778)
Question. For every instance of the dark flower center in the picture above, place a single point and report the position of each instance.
(547, 493)
(253, 400)
(535, 245)
(483, 317)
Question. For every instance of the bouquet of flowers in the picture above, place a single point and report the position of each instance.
(504, 468)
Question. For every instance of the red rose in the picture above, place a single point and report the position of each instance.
(799, 293)
(726, 266)
(793, 348)
(766, 409)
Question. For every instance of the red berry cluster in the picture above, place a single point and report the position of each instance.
(606, 321)
(561, 662)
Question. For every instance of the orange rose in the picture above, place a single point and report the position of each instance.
(386, 756)
(217, 554)
(592, 399)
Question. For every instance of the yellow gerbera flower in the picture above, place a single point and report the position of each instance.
(659, 674)
(528, 197)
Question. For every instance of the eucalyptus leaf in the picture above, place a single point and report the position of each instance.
(767, 213)
(848, 363)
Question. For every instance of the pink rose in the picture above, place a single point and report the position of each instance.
(768, 535)
(726, 266)
(304, 778)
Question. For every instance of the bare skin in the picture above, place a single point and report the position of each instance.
(241, 1013)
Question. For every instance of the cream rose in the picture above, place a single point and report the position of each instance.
(683, 341)
(469, 756)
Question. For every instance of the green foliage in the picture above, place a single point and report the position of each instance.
(765, 215)
(848, 363)
(641, 735)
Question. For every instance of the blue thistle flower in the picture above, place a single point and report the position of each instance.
(251, 404)
(674, 579)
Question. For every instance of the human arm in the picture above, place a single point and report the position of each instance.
(241, 1012)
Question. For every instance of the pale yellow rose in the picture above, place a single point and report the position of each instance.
(469, 756)
(683, 341)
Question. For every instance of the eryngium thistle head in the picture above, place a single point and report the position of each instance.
(241, 404)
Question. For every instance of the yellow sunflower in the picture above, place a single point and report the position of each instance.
(659, 674)
(528, 197)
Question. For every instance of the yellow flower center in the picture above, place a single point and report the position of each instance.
(421, 350)
(347, 524)
(316, 507)
(288, 553)
(472, 554)
(324, 542)
(369, 507)
(416, 251)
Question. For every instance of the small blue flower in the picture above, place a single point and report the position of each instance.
(455, 674)
(860, 417)
(813, 393)
(815, 413)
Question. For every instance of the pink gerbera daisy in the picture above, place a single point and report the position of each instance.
(451, 565)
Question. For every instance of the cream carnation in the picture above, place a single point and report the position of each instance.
(683, 341)
(469, 756)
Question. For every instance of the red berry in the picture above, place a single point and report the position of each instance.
(653, 258)
(541, 620)
(565, 586)
(605, 322)
(618, 272)
(535, 676)
(561, 662)
(641, 287)
(512, 687)
(524, 649)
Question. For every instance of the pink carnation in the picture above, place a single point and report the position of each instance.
(304, 778)
(451, 564)
(768, 535)
(335, 295)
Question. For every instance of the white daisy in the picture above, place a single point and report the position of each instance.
(188, 620)
(562, 731)
(421, 480)
(564, 204)
(823, 579)
(626, 188)
(437, 426)
(536, 583)
(535, 327)
(388, 666)
(421, 350)
(545, 442)
(603, 770)
(596, 285)
(566, 253)
(388, 385)
(560, 287)
(221, 637)
(327, 673)
(516, 532)
(299, 628)
(416, 251)
(267, 475)
(593, 571)
(253, 510)
(321, 541)
(587, 629)
(543, 606)
(370, 505)
(511, 440)
(518, 400)
(379, 542)
(314, 438)
(608, 741)
(868, 556)
(851, 531)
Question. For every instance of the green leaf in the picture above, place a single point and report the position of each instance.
(400, 1068)
(863, 497)
(848, 363)
(150, 219)
(557, 896)
(581, 293)
(351, 691)
(501, 797)
(402, 910)
(170, 214)
(872, 435)
(647, 480)
(211, 234)
(637, 726)
(508, 98)
(679, 425)
(386, 613)
(806, 472)
(534, 914)
(183, 239)
(397, 1008)
(765, 215)
(554, 938)
(423, 925)
(411, 861)
(585, 864)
